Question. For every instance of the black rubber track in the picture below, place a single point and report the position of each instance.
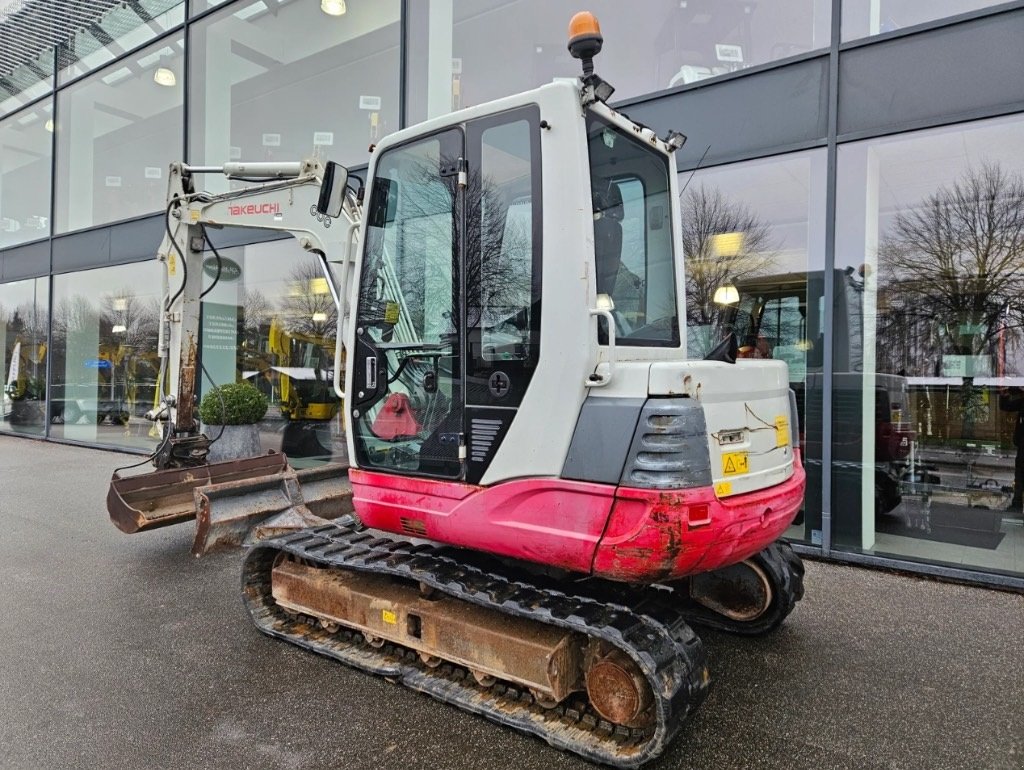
(781, 565)
(656, 636)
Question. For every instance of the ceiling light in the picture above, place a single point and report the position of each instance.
(164, 77)
(119, 328)
(333, 7)
(319, 317)
(727, 244)
(726, 295)
(48, 125)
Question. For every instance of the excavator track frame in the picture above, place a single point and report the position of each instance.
(653, 635)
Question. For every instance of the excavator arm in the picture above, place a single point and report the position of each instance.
(310, 201)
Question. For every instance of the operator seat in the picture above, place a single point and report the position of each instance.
(608, 214)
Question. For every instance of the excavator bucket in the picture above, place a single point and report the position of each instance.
(232, 513)
(162, 498)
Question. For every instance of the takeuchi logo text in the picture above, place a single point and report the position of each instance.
(255, 208)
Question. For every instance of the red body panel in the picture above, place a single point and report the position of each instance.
(548, 521)
(657, 535)
(621, 533)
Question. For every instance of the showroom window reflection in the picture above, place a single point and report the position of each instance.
(117, 132)
(27, 82)
(122, 28)
(863, 18)
(25, 155)
(936, 263)
(23, 333)
(684, 41)
(104, 362)
(271, 320)
(256, 95)
(753, 243)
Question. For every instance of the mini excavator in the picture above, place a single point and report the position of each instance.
(543, 492)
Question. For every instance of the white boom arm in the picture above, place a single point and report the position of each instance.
(284, 197)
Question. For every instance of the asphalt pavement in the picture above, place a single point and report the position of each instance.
(121, 651)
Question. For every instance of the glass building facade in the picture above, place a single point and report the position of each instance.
(852, 203)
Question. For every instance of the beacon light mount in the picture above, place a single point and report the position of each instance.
(585, 41)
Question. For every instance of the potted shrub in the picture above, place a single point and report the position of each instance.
(230, 414)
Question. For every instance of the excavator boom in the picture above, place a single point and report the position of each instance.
(232, 497)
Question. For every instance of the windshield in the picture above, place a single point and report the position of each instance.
(633, 236)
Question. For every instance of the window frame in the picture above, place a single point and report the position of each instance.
(519, 371)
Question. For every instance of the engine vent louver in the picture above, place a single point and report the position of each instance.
(669, 449)
(414, 527)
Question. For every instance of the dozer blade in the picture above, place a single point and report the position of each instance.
(162, 498)
(236, 512)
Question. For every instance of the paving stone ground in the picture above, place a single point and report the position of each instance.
(122, 651)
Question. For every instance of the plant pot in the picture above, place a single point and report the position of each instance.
(236, 442)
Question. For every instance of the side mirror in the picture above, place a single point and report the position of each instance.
(332, 190)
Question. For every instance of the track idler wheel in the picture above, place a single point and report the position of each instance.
(749, 598)
(741, 592)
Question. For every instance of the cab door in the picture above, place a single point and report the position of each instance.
(407, 395)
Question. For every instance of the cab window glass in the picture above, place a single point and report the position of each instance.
(632, 237)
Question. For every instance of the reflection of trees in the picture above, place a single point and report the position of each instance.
(707, 213)
(26, 319)
(423, 244)
(952, 273)
(256, 312)
(25, 330)
(72, 314)
(139, 317)
(129, 327)
(308, 307)
(126, 328)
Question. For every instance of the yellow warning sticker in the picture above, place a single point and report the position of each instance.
(172, 264)
(391, 313)
(781, 431)
(734, 463)
(194, 215)
(389, 617)
(723, 489)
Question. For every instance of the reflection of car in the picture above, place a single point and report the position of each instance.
(974, 497)
(71, 411)
(991, 485)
